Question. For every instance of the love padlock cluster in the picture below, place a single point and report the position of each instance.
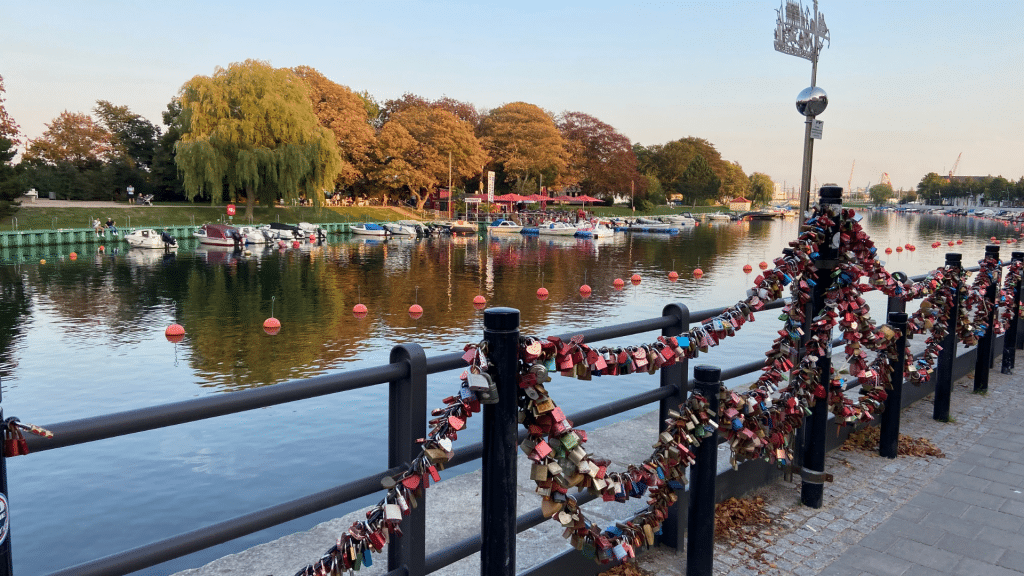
(560, 462)
(14, 440)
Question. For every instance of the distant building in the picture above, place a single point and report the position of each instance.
(778, 194)
(739, 204)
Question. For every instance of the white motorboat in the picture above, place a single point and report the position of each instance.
(592, 230)
(150, 238)
(419, 227)
(219, 235)
(463, 227)
(718, 216)
(648, 224)
(396, 229)
(254, 235)
(276, 231)
(556, 229)
(502, 226)
(312, 231)
(370, 229)
(679, 220)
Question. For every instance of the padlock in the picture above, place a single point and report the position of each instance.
(484, 387)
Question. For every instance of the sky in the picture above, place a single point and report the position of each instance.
(912, 84)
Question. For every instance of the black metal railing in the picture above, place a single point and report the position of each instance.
(406, 375)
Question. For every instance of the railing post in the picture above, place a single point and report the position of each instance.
(674, 375)
(700, 545)
(1010, 340)
(890, 429)
(6, 560)
(812, 488)
(944, 369)
(501, 424)
(984, 361)
(407, 421)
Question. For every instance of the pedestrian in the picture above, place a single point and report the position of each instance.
(131, 194)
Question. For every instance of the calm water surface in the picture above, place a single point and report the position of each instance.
(84, 338)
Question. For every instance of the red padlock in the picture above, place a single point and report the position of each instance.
(11, 447)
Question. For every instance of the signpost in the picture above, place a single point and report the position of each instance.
(802, 33)
(490, 186)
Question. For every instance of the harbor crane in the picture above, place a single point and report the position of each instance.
(849, 183)
(952, 171)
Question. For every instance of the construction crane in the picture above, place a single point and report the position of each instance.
(849, 183)
(952, 171)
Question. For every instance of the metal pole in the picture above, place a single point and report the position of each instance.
(498, 493)
(407, 421)
(890, 432)
(700, 546)
(805, 178)
(1010, 340)
(6, 559)
(674, 375)
(984, 361)
(812, 487)
(944, 369)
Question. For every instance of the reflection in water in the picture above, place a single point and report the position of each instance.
(84, 338)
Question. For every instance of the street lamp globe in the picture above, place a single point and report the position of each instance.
(811, 101)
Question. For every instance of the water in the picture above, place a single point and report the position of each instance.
(84, 338)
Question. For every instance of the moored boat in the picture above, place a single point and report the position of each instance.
(219, 235)
(149, 238)
(502, 226)
(254, 234)
(463, 227)
(556, 229)
(396, 229)
(370, 229)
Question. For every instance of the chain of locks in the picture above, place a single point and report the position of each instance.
(757, 423)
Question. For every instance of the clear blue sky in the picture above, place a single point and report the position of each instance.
(911, 83)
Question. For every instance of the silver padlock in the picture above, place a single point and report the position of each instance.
(484, 387)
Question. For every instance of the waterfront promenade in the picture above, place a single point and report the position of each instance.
(962, 514)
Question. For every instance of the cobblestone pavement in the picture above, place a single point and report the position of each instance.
(962, 514)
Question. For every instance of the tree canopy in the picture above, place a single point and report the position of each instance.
(522, 140)
(344, 113)
(698, 183)
(761, 189)
(880, 193)
(251, 129)
(600, 159)
(8, 128)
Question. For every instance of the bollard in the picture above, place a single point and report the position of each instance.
(1010, 340)
(983, 363)
(700, 543)
(888, 442)
(944, 367)
(812, 476)
(500, 445)
(407, 419)
(675, 375)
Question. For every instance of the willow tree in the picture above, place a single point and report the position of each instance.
(250, 132)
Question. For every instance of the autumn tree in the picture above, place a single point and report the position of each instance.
(415, 147)
(344, 113)
(735, 183)
(250, 131)
(880, 193)
(8, 127)
(69, 158)
(762, 189)
(11, 185)
(602, 159)
(167, 181)
(523, 141)
(134, 141)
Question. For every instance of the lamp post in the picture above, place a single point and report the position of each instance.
(801, 33)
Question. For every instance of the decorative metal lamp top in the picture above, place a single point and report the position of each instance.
(811, 101)
(799, 31)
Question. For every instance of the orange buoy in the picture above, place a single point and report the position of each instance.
(635, 279)
(585, 291)
(102, 248)
(747, 268)
(42, 261)
(994, 242)
(697, 272)
(174, 333)
(899, 248)
(992, 238)
(618, 283)
(958, 242)
(950, 242)
(763, 265)
(415, 311)
(911, 247)
(673, 275)
(296, 244)
(542, 293)
(359, 310)
(479, 302)
(272, 326)
(888, 250)
(73, 256)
